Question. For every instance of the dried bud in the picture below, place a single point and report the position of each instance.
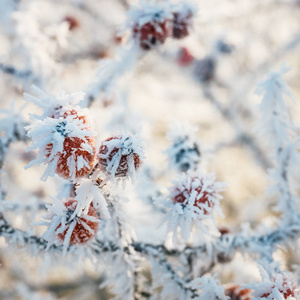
(205, 69)
(184, 152)
(223, 47)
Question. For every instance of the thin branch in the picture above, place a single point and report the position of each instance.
(11, 70)
(244, 137)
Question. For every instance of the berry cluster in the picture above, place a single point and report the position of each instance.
(152, 25)
(275, 286)
(152, 33)
(66, 144)
(281, 286)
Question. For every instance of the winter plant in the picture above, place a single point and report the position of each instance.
(95, 157)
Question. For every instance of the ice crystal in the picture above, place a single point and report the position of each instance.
(146, 12)
(88, 192)
(278, 127)
(211, 289)
(51, 103)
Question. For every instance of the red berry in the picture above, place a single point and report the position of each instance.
(116, 154)
(235, 292)
(73, 22)
(192, 189)
(223, 230)
(152, 33)
(84, 229)
(181, 24)
(288, 289)
(185, 57)
(74, 148)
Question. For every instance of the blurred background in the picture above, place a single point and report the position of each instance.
(207, 80)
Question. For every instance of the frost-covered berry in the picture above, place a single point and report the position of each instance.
(152, 33)
(279, 285)
(150, 23)
(85, 228)
(235, 292)
(66, 143)
(120, 156)
(66, 228)
(274, 286)
(185, 58)
(197, 192)
(194, 199)
(181, 23)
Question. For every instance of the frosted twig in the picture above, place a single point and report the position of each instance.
(247, 139)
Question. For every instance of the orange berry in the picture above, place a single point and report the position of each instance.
(78, 156)
(235, 292)
(72, 149)
(85, 228)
